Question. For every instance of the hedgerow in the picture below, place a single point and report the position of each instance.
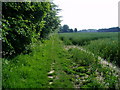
(23, 23)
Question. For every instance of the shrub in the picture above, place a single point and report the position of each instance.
(23, 27)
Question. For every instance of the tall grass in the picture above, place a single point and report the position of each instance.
(89, 73)
(31, 70)
(84, 38)
(104, 44)
(72, 68)
(106, 48)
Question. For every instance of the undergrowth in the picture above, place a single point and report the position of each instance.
(84, 38)
(104, 44)
(106, 48)
(88, 73)
(73, 68)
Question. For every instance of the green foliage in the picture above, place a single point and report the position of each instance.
(52, 21)
(87, 65)
(80, 69)
(90, 74)
(21, 28)
(72, 68)
(64, 28)
(101, 44)
(81, 57)
(31, 70)
(106, 48)
(84, 38)
(31, 21)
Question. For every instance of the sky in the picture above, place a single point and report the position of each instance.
(88, 14)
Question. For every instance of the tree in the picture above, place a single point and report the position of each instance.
(75, 30)
(70, 30)
(52, 21)
(60, 29)
(30, 21)
(65, 28)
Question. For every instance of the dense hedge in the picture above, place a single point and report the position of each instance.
(22, 24)
(52, 21)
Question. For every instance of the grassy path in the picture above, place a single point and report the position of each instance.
(58, 78)
(105, 64)
(51, 65)
(69, 73)
(102, 61)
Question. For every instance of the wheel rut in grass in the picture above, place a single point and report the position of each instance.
(100, 76)
(102, 61)
(50, 74)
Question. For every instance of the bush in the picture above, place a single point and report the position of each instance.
(23, 27)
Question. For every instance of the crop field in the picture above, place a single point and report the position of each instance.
(53, 64)
(102, 44)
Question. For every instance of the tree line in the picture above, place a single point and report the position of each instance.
(65, 28)
(113, 29)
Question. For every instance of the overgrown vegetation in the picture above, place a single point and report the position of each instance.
(31, 70)
(89, 73)
(101, 44)
(73, 68)
(24, 22)
(42, 60)
(107, 49)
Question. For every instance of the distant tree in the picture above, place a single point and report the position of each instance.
(75, 30)
(65, 28)
(70, 30)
